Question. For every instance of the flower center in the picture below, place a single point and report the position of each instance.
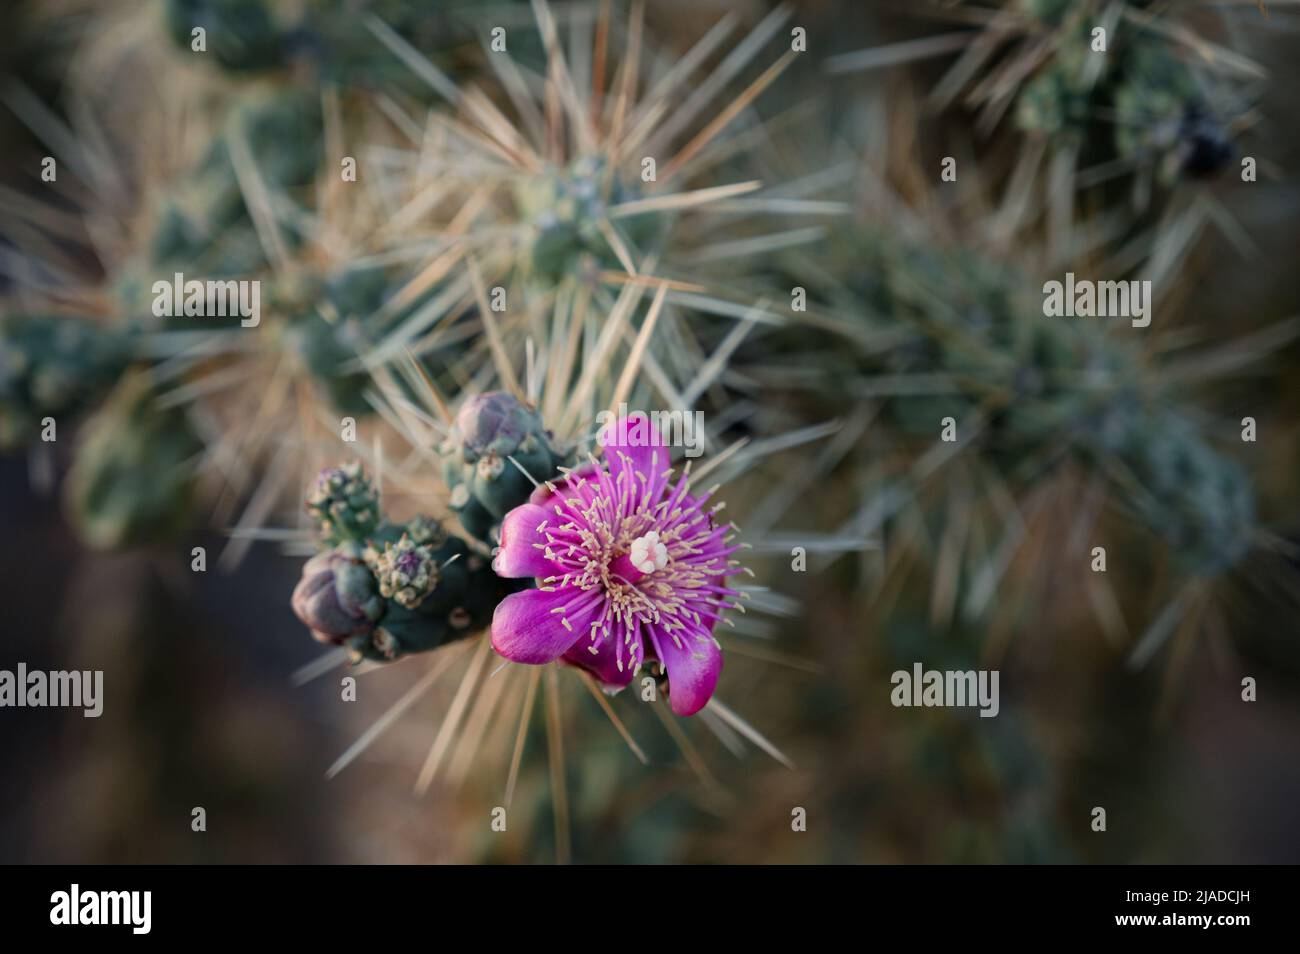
(648, 554)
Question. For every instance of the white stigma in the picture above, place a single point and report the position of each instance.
(648, 554)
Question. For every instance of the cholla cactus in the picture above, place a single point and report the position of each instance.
(1036, 395)
(568, 208)
(538, 190)
(1150, 75)
(655, 580)
(496, 453)
(638, 179)
(345, 504)
(203, 220)
(1039, 407)
(214, 207)
(1105, 89)
(244, 210)
(344, 53)
(52, 366)
(1162, 119)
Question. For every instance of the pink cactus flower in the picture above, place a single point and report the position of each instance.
(629, 568)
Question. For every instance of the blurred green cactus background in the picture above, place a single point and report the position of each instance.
(827, 227)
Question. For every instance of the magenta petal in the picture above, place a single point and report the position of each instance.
(543, 496)
(693, 662)
(616, 657)
(518, 556)
(632, 442)
(527, 629)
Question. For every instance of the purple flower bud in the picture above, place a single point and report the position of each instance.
(493, 422)
(336, 596)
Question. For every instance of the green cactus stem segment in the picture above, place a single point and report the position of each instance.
(496, 445)
(344, 503)
(133, 479)
(383, 590)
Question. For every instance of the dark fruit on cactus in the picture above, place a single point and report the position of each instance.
(1206, 149)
